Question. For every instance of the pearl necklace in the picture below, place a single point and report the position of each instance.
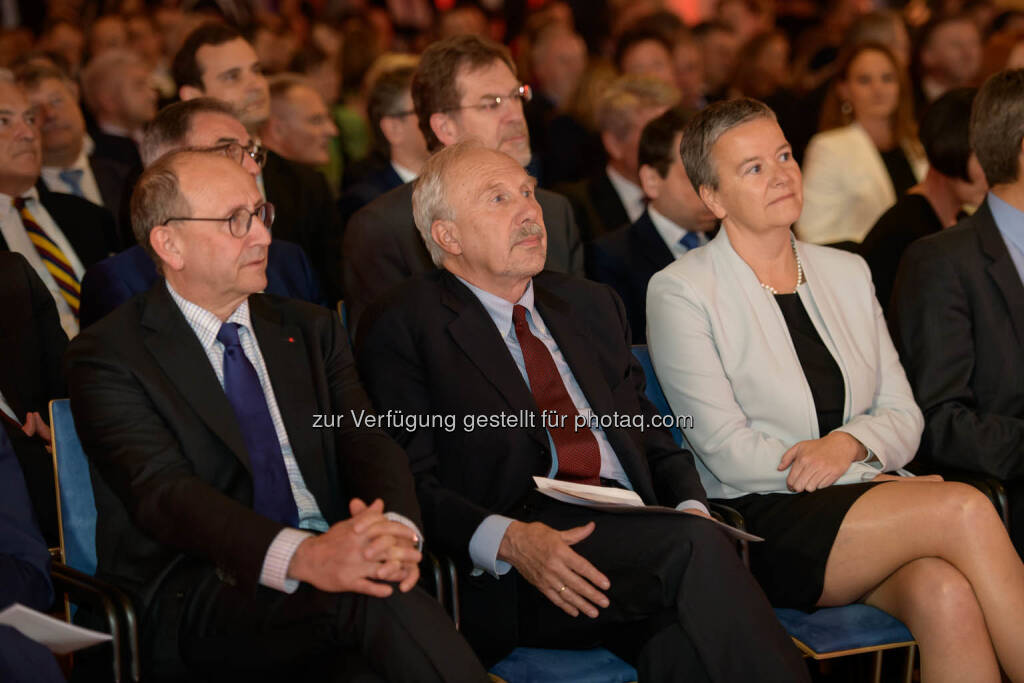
(799, 270)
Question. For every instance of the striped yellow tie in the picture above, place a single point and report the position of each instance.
(56, 262)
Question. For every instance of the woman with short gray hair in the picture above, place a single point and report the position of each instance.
(803, 417)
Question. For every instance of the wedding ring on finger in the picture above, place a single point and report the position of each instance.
(561, 589)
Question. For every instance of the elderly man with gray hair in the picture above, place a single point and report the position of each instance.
(255, 545)
(537, 371)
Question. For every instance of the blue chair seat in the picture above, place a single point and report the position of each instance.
(839, 631)
(535, 665)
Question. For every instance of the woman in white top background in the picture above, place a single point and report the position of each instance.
(779, 352)
(867, 153)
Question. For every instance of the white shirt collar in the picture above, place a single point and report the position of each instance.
(405, 174)
(671, 232)
(630, 194)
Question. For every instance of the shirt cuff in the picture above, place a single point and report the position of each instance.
(484, 545)
(693, 505)
(279, 557)
(402, 519)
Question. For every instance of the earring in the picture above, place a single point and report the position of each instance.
(846, 108)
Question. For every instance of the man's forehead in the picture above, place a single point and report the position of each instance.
(232, 54)
(12, 98)
(47, 86)
(483, 169)
(215, 181)
(494, 77)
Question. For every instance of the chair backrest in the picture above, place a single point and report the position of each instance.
(76, 506)
(654, 393)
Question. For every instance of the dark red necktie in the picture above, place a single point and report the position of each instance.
(579, 458)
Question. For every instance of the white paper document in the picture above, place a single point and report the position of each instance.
(58, 636)
(610, 499)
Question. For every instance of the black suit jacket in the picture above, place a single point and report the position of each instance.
(383, 247)
(625, 260)
(170, 468)
(957, 319)
(371, 186)
(32, 343)
(430, 348)
(306, 215)
(596, 204)
(89, 228)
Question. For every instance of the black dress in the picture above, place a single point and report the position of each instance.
(800, 528)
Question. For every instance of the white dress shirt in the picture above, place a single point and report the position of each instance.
(630, 194)
(18, 240)
(405, 174)
(91, 190)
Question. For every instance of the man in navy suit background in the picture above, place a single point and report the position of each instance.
(675, 221)
(204, 124)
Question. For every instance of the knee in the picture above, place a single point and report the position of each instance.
(941, 594)
(967, 508)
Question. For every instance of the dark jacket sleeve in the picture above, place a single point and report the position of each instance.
(933, 323)
(24, 559)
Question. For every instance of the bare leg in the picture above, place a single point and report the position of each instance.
(937, 604)
(896, 523)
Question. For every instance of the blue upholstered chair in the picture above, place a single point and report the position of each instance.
(73, 575)
(826, 633)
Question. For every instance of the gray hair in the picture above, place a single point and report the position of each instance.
(99, 73)
(157, 198)
(707, 127)
(619, 102)
(997, 126)
(430, 193)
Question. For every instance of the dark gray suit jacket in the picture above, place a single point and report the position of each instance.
(383, 248)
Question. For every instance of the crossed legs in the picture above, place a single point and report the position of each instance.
(935, 555)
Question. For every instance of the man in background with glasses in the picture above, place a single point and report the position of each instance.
(255, 545)
(208, 125)
(465, 87)
(216, 61)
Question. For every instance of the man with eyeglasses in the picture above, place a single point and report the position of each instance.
(217, 61)
(207, 125)
(465, 87)
(255, 545)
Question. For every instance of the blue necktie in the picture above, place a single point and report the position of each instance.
(690, 240)
(72, 177)
(271, 490)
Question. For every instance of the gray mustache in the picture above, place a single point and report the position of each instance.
(531, 229)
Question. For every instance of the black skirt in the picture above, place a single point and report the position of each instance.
(799, 530)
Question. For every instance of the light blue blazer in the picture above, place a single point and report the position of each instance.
(724, 356)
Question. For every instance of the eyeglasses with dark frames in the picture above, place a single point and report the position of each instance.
(240, 220)
(489, 103)
(236, 150)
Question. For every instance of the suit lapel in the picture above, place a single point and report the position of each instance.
(608, 202)
(475, 333)
(177, 350)
(652, 247)
(575, 348)
(285, 354)
(1001, 267)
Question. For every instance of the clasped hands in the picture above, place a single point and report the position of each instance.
(818, 463)
(360, 554)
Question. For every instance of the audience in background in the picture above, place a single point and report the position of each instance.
(118, 92)
(948, 55)
(954, 181)
(300, 127)
(612, 197)
(108, 32)
(867, 123)
(719, 46)
(399, 149)
(59, 234)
